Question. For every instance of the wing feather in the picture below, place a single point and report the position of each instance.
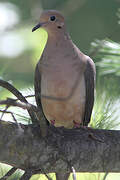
(37, 86)
(90, 86)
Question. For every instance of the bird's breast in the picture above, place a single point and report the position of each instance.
(63, 95)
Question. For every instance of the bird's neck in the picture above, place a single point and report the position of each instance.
(57, 49)
(57, 39)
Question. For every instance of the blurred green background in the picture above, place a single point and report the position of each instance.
(20, 49)
(94, 28)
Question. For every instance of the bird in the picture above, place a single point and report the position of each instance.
(64, 79)
(64, 76)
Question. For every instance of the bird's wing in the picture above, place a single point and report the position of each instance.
(37, 86)
(40, 115)
(89, 75)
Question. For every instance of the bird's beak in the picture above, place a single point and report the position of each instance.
(38, 26)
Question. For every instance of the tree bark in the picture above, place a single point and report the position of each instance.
(86, 150)
(62, 176)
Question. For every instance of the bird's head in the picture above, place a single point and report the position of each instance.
(52, 21)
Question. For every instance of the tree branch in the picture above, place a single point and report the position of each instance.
(26, 175)
(61, 149)
(13, 102)
(20, 97)
(9, 173)
(39, 115)
(74, 173)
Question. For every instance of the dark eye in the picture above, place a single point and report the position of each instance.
(52, 18)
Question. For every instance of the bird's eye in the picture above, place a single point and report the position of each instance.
(52, 18)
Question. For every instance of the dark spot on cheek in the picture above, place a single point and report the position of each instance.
(59, 27)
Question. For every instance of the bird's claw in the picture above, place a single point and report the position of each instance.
(52, 122)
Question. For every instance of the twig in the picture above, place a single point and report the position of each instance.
(9, 112)
(13, 102)
(3, 112)
(18, 125)
(74, 173)
(43, 172)
(49, 178)
(29, 96)
(105, 175)
(16, 93)
(28, 106)
(13, 90)
(26, 175)
(9, 173)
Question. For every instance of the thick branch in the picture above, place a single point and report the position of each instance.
(85, 150)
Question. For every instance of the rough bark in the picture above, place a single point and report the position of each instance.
(85, 150)
(62, 176)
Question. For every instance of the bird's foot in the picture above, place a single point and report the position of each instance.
(52, 122)
(76, 124)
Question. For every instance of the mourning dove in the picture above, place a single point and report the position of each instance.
(64, 76)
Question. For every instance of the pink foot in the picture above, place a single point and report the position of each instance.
(52, 122)
(76, 124)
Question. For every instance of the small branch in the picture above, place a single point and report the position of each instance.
(4, 111)
(28, 106)
(8, 112)
(16, 93)
(13, 90)
(12, 102)
(9, 173)
(104, 178)
(74, 173)
(29, 96)
(47, 176)
(26, 175)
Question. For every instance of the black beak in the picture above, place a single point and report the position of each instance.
(37, 26)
